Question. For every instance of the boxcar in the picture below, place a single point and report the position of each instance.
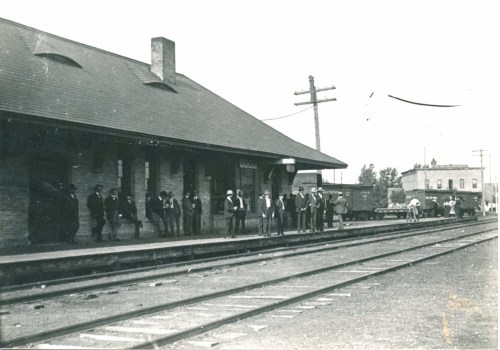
(470, 201)
(360, 199)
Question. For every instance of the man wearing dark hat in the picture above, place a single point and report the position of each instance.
(72, 215)
(320, 201)
(173, 214)
(340, 208)
(241, 212)
(300, 209)
(197, 211)
(279, 214)
(112, 213)
(157, 213)
(187, 213)
(229, 210)
(129, 212)
(96, 205)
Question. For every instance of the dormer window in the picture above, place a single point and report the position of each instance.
(59, 59)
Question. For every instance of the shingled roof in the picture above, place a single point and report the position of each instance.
(56, 79)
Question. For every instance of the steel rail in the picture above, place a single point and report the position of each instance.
(5, 301)
(407, 228)
(89, 325)
(191, 332)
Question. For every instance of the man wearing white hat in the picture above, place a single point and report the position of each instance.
(313, 205)
(268, 213)
(229, 210)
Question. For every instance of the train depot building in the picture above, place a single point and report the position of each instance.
(80, 115)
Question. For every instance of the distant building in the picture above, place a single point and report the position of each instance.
(443, 177)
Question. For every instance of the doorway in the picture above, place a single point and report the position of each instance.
(45, 221)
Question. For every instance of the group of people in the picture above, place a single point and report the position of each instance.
(453, 207)
(113, 208)
(304, 210)
(311, 208)
(165, 212)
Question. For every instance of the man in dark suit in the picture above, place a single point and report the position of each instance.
(72, 215)
(157, 214)
(112, 213)
(329, 211)
(280, 213)
(300, 209)
(96, 205)
(187, 213)
(229, 209)
(241, 212)
(129, 212)
(320, 201)
(173, 213)
(197, 214)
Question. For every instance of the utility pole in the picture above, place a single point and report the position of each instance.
(482, 180)
(314, 101)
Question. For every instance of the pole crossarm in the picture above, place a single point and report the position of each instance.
(317, 101)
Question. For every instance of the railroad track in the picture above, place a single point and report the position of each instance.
(186, 317)
(48, 289)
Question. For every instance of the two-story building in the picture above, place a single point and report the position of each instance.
(443, 177)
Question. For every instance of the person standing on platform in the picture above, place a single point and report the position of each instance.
(268, 209)
(446, 206)
(300, 209)
(320, 222)
(458, 207)
(129, 212)
(413, 208)
(340, 208)
(229, 210)
(280, 214)
(158, 214)
(187, 213)
(313, 207)
(241, 212)
(260, 213)
(173, 213)
(96, 205)
(112, 213)
(72, 215)
(329, 211)
(291, 210)
(197, 211)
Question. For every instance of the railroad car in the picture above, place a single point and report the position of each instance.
(470, 201)
(360, 199)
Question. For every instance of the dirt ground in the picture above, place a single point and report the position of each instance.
(447, 303)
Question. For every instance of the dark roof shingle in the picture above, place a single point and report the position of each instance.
(112, 91)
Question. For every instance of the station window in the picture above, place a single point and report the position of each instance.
(462, 183)
(439, 184)
(474, 183)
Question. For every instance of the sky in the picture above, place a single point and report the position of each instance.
(256, 54)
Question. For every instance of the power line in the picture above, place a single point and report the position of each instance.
(421, 104)
(289, 115)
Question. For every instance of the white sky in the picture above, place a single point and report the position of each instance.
(256, 54)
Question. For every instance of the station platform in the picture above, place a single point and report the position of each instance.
(36, 263)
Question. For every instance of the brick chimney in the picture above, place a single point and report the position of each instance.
(163, 59)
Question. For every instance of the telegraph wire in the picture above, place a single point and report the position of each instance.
(289, 115)
(421, 104)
